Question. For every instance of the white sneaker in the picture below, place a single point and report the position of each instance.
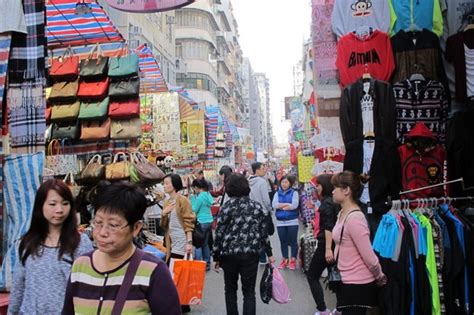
(336, 312)
(326, 312)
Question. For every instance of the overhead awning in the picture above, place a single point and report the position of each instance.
(151, 78)
(74, 23)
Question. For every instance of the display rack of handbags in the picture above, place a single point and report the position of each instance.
(96, 99)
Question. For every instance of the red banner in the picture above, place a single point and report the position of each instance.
(147, 6)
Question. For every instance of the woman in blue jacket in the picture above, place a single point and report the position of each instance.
(286, 202)
(201, 202)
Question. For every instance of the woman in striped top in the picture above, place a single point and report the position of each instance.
(97, 277)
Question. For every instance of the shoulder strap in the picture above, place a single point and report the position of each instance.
(342, 232)
(127, 282)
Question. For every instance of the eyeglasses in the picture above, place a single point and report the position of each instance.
(111, 228)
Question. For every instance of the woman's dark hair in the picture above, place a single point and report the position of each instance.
(349, 179)
(121, 198)
(325, 181)
(237, 186)
(39, 228)
(289, 178)
(201, 184)
(225, 170)
(176, 181)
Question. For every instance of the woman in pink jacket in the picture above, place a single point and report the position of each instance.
(360, 269)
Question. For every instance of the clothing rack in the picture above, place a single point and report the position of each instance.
(442, 200)
(459, 180)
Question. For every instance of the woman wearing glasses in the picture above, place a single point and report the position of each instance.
(47, 251)
(97, 279)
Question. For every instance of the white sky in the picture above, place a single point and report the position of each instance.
(271, 36)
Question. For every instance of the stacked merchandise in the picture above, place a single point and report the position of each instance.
(96, 100)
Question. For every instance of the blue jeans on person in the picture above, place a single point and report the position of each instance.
(288, 237)
(203, 253)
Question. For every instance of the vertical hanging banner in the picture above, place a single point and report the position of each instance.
(147, 6)
(166, 121)
(324, 43)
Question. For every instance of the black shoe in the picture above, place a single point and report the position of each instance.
(185, 309)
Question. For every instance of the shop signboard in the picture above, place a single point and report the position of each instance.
(166, 121)
(147, 6)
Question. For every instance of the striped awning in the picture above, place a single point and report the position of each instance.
(211, 123)
(151, 78)
(74, 23)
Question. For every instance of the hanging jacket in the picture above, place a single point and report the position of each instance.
(419, 13)
(285, 197)
(385, 167)
(348, 16)
(355, 56)
(421, 169)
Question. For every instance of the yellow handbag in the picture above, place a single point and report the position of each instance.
(118, 170)
(126, 129)
(65, 111)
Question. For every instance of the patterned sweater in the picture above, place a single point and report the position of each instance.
(243, 227)
(92, 292)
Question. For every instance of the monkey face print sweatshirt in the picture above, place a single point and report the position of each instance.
(354, 54)
(349, 15)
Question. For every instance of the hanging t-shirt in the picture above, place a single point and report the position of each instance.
(354, 54)
(348, 16)
(368, 147)
(422, 14)
(459, 52)
(457, 13)
(367, 108)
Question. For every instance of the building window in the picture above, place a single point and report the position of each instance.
(193, 49)
(194, 19)
(196, 81)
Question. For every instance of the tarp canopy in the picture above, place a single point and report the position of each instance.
(151, 78)
(78, 23)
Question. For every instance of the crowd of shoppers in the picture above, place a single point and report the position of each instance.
(83, 280)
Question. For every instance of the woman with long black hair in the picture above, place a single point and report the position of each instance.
(47, 252)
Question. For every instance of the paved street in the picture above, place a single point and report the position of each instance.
(302, 302)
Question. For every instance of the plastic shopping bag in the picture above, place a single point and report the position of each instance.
(188, 277)
(266, 284)
(280, 291)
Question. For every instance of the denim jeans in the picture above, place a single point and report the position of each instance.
(203, 253)
(288, 237)
(245, 265)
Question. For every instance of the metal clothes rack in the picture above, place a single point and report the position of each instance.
(459, 180)
(442, 200)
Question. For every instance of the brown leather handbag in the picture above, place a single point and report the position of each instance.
(65, 111)
(95, 130)
(64, 91)
(118, 170)
(94, 170)
(126, 129)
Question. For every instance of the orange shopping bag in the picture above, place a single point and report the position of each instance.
(189, 276)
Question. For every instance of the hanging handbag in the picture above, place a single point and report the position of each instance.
(58, 161)
(124, 66)
(63, 91)
(125, 109)
(126, 129)
(65, 67)
(125, 88)
(118, 170)
(94, 67)
(334, 279)
(95, 130)
(122, 294)
(94, 110)
(93, 89)
(143, 171)
(73, 187)
(64, 130)
(94, 170)
(65, 111)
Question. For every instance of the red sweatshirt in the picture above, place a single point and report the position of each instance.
(354, 53)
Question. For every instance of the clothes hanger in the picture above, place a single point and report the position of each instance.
(470, 26)
(417, 76)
